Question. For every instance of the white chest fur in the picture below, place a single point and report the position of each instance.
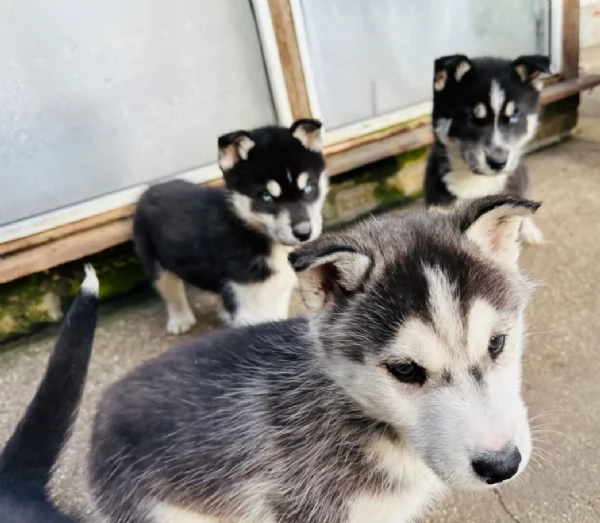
(418, 489)
(268, 300)
(465, 185)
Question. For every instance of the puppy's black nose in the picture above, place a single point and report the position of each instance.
(302, 231)
(496, 159)
(499, 466)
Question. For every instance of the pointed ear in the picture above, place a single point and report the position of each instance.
(532, 69)
(308, 131)
(234, 147)
(327, 271)
(494, 223)
(452, 68)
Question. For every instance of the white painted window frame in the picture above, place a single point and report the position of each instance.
(96, 206)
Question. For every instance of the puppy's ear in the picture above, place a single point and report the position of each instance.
(308, 131)
(234, 147)
(449, 68)
(494, 223)
(532, 69)
(327, 271)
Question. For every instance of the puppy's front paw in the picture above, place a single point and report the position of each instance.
(530, 234)
(181, 323)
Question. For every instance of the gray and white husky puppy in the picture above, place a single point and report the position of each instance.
(403, 381)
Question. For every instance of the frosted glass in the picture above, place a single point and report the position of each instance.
(102, 95)
(372, 57)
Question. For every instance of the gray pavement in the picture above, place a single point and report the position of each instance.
(562, 364)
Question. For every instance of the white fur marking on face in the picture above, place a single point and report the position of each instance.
(497, 97)
(172, 290)
(509, 110)
(315, 209)
(482, 319)
(274, 188)
(443, 305)
(480, 111)
(302, 181)
(532, 125)
(463, 68)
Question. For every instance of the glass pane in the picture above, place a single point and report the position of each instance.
(373, 57)
(101, 95)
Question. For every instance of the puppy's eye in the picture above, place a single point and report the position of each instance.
(407, 372)
(308, 189)
(496, 345)
(265, 196)
(515, 116)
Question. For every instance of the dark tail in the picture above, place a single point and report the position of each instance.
(32, 450)
(143, 242)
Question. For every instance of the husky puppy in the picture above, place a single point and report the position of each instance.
(234, 241)
(28, 458)
(403, 381)
(485, 110)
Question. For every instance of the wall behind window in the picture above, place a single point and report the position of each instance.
(98, 96)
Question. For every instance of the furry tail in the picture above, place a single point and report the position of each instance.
(32, 450)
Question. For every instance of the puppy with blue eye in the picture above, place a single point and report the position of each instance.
(485, 111)
(235, 240)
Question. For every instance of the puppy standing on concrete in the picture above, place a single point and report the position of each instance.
(485, 110)
(405, 381)
(234, 241)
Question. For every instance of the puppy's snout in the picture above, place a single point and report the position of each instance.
(497, 467)
(496, 159)
(302, 231)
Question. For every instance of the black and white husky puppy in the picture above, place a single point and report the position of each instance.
(27, 461)
(235, 241)
(485, 111)
(405, 380)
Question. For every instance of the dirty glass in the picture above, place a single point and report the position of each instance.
(373, 57)
(98, 96)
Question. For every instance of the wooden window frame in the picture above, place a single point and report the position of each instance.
(95, 226)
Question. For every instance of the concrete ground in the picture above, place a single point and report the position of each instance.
(562, 365)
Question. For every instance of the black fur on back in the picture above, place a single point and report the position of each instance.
(192, 232)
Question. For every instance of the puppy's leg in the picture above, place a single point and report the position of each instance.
(530, 234)
(171, 288)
